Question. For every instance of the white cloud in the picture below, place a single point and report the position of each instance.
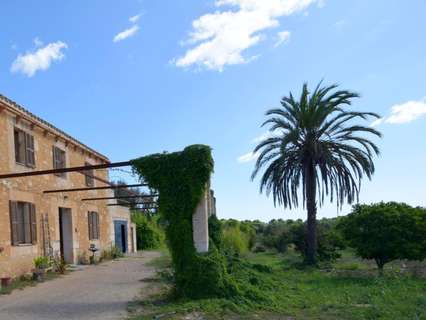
(262, 137)
(135, 18)
(377, 122)
(283, 37)
(31, 62)
(221, 38)
(38, 42)
(404, 113)
(341, 24)
(321, 3)
(126, 33)
(248, 157)
(407, 112)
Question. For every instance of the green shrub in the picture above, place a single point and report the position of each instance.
(148, 234)
(329, 241)
(42, 262)
(113, 253)
(386, 232)
(235, 242)
(216, 232)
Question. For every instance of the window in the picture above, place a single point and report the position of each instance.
(89, 174)
(59, 160)
(24, 148)
(23, 223)
(93, 221)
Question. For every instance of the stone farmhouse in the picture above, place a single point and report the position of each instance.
(34, 223)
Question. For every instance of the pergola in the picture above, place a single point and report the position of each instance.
(83, 170)
(200, 217)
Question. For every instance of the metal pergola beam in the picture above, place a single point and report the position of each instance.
(98, 188)
(65, 170)
(122, 197)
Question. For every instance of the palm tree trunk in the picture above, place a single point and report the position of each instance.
(311, 205)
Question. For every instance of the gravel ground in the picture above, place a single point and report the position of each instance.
(95, 293)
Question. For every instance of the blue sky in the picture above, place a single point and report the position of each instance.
(132, 77)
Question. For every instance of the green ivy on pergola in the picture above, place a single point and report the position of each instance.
(181, 179)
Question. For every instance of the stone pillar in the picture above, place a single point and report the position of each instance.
(200, 224)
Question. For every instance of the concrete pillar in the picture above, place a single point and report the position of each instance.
(200, 224)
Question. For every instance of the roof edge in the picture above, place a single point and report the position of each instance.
(48, 126)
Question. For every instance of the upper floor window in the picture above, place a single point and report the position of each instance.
(24, 148)
(59, 160)
(23, 223)
(89, 176)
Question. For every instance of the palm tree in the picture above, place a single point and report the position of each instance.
(314, 145)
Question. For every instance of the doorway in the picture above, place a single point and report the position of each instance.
(120, 230)
(65, 235)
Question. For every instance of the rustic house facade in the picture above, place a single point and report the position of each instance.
(33, 223)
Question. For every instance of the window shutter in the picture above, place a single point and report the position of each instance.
(89, 219)
(62, 153)
(33, 220)
(16, 135)
(13, 207)
(19, 146)
(27, 223)
(54, 157)
(29, 148)
(97, 225)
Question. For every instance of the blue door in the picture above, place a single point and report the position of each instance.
(120, 230)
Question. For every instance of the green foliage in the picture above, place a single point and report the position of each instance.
(386, 232)
(238, 237)
(280, 291)
(329, 240)
(148, 233)
(216, 232)
(59, 265)
(281, 234)
(181, 179)
(235, 242)
(42, 262)
(113, 253)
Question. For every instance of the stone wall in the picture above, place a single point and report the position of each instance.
(119, 213)
(16, 260)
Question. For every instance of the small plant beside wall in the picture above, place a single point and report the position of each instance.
(111, 254)
(41, 264)
(59, 265)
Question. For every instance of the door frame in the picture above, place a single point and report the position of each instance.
(66, 234)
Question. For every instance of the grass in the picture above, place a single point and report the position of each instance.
(26, 281)
(350, 289)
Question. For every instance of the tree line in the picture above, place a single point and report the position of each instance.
(382, 232)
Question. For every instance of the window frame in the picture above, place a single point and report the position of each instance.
(89, 179)
(93, 225)
(23, 223)
(59, 163)
(24, 148)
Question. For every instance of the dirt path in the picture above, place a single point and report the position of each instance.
(95, 293)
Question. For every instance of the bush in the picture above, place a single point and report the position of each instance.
(238, 237)
(148, 234)
(386, 232)
(216, 232)
(110, 254)
(42, 262)
(329, 240)
(235, 242)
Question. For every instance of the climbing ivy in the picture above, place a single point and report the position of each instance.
(181, 179)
